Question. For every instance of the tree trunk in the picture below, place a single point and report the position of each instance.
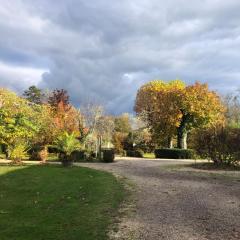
(182, 140)
(182, 133)
(170, 142)
(100, 147)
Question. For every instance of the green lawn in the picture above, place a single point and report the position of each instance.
(149, 155)
(50, 202)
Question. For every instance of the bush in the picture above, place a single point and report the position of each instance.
(66, 144)
(90, 156)
(78, 156)
(39, 153)
(135, 153)
(17, 151)
(108, 155)
(175, 153)
(220, 144)
(52, 149)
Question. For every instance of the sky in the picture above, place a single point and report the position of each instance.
(103, 51)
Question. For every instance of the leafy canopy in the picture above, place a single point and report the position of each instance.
(166, 106)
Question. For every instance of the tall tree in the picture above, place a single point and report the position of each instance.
(122, 123)
(171, 108)
(59, 97)
(232, 103)
(34, 94)
(18, 120)
(157, 105)
(66, 116)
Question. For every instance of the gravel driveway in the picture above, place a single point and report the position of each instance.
(178, 203)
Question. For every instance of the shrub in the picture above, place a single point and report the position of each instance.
(52, 149)
(66, 144)
(220, 144)
(135, 153)
(78, 156)
(39, 153)
(108, 155)
(90, 156)
(17, 151)
(175, 153)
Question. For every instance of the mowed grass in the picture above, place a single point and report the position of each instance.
(52, 202)
(149, 155)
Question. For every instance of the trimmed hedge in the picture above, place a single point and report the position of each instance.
(108, 155)
(135, 153)
(175, 153)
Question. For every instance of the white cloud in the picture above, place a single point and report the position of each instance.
(18, 78)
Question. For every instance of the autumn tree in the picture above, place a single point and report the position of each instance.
(65, 115)
(232, 104)
(122, 127)
(199, 107)
(92, 119)
(17, 121)
(157, 105)
(122, 123)
(173, 108)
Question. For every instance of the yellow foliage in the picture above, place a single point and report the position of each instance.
(164, 104)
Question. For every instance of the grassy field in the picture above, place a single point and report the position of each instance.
(50, 202)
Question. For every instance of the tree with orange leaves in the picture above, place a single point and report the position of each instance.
(171, 108)
(65, 115)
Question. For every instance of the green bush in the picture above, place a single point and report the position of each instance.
(175, 153)
(135, 153)
(108, 155)
(78, 156)
(17, 151)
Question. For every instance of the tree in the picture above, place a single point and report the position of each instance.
(17, 120)
(157, 105)
(173, 108)
(34, 95)
(122, 123)
(65, 115)
(91, 117)
(232, 104)
(199, 107)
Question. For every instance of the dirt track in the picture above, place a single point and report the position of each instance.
(178, 203)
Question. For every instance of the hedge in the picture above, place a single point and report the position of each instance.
(175, 153)
(135, 153)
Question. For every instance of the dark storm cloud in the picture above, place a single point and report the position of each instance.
(104, 50)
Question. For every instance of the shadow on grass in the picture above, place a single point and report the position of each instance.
(52, 202)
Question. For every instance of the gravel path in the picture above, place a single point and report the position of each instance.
(178, 203)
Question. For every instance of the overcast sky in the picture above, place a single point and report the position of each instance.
(103, 50)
